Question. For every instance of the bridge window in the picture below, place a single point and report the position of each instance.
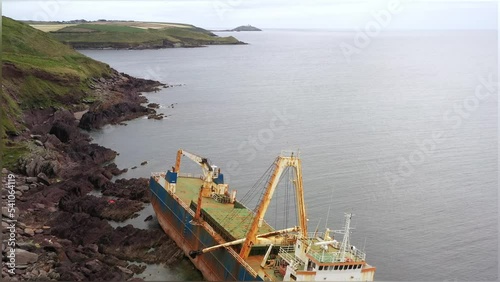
(350, 266)
(336, 267)
(330, 268)
(320, 267)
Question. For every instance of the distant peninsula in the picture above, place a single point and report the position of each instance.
(246, 28)
(241, 28)
(110, 34)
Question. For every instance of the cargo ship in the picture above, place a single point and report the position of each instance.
(227, 241)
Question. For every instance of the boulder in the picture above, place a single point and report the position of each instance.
(29, 231)
(125, 270)
(24, 257)
(7, 214)
(27, 246)
(23, 188)
(31, 180)
(43, 178)
(94, 265)
(33, 165)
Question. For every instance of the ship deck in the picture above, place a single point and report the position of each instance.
(270, 273)
(234, 221)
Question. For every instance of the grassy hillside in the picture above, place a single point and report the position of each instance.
(137, 35)
(39, 72)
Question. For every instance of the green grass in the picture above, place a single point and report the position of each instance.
(102, 27)
(50, 69)
(119, 36)
(12, 153)
(38, 72)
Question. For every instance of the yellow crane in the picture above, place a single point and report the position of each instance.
(280, 164)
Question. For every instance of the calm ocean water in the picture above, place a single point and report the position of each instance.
(397, 135)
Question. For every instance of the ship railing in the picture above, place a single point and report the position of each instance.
(287, 253)
(156, 175)
(331, 257)
(311, 235)
(359, 254)
(189, 175)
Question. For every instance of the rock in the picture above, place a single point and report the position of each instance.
(54, 275)
(38, 231)
(31, 180)
(94, 265)
(33, 165)
(137, 269)
(125, 270)
(134, 167)
(5, 171)
(7, 214)
(30, 232)
(107, 174)
(43, 178)
(23, 188)
(64, 132)
(25, 257)
(36, 136)
(39, 206)
(153, 105)
(27, 246)
(93, 247)
(32, 186)
(144, 163)
(148, 218)
(45, 227)
(42, 274)
(20, 266)
(18, 193)
(38, 143)
(35, 272)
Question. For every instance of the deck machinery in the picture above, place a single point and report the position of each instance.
(226, 240)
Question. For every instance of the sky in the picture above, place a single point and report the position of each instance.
(324, 14)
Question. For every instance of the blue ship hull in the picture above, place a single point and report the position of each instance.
(175, 217)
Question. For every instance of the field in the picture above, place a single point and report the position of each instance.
(144, 25)
(117, 35)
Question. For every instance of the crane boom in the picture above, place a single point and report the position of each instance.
(279, 166)
(208, 171)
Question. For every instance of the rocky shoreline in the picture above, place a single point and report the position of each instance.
(62, 232)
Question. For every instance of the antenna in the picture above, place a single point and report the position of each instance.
(317, 227)
(329, 207)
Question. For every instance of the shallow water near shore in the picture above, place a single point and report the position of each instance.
(426, 206)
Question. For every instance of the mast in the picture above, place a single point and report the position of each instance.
(280, 164)
(346, 232)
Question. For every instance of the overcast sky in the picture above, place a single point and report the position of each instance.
(331, 14)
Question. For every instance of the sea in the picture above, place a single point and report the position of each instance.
(400, 130)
